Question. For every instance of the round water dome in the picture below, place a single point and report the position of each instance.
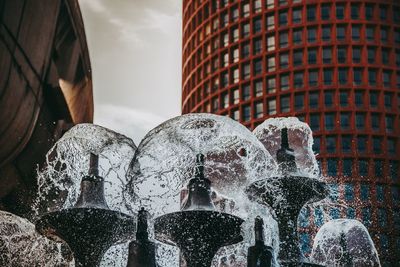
(165, 159)
(300, 140)
(344, 242)
(68, 161)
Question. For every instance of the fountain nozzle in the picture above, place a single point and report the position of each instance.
(285, 155)
(199, 195)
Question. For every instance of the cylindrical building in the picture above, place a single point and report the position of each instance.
(332, 64)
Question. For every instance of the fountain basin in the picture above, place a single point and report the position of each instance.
(198, 233)
(89, 232)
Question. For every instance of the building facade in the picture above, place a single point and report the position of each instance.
(332, 64)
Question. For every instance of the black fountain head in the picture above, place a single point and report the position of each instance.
(92, 187)
(286, 195)
(199, 193)
(198, 230)
(259, 255)
(142, 251)
(89, 227)
(285, 155)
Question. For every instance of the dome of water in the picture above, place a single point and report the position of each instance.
(344, 242)
(165, 159)
(300, 140)
(68, 161)
(21, 245)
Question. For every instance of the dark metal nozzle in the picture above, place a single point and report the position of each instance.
(142, 226)
(93, 165)
(259, 229)
(285, 155)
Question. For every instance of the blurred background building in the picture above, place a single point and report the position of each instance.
(332, 64)
(45, 88)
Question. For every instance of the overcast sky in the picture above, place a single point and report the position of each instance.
(135, 51)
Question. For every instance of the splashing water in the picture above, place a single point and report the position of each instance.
(68, 161)
(21, 245)
(344, 242)
(165, 160)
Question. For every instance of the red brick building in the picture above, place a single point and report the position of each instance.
(332, 64)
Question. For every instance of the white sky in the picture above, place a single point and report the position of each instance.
(135, 52)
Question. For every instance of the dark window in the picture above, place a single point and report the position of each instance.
(246, 113)
(257, 25)
(258, 110)
(332, 167)
(298, 80)
(330, 144)
(283, 18)
(325, 12)
(317, 144)
(285, 103)
(364, 192)
(389, 122)
(313, 99)
(297, 36)
(372, 77)
(257, 46)
(258, 88)
(343, 75)
(341, 55)
(346, 143)
(328, 76)
(362, 143)
(344, 98)
(363, 167)
(383, 12)
(271, 106)
(318, 217)
(373, 99)
(304, 217)
(245, 50)
(340, 32)
(314, 122)
(313, 77)
(370, 33)
(345, 121)
(378, 166)
(312, 56)
(357, 76)
(326, 33)
(257, 64)
(283, 39)
(375, 121)
(348, 192)
(356, 54)
(369, 12)
(297, 16)
(339, 11)
(386, 78)
(380, 196)
(394, 169)
(391, 144)
(360, 121)
(350, 213)
(376, 145)
(298, 57)
(329, 121)
(355, 32)
(246, 92)
(366, 216)
(305, 241)
(311, 12)
(384, 35)
(299, 102)
(284, 82)
(312, 35)
(327, 55)
(396, 14)
(385, 56)
(382, 222)
(347, 167)
(271, 83)
(334, 213)
(359, 98)
(371, 55)
(284, 60)
(355, 11)
(329, 98)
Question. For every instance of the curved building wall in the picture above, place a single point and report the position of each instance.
(334, 65)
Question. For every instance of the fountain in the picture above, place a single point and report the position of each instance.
(259, 255)
(142, 250)
(286, 195)
(90, 227)
(198, 230)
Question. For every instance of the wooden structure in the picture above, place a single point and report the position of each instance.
(45, 88)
